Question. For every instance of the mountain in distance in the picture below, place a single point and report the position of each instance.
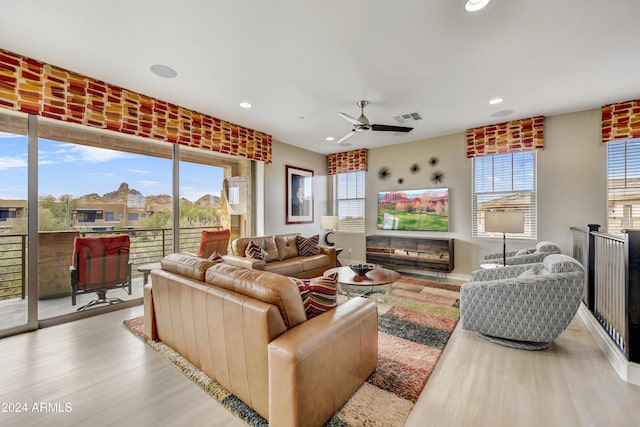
(208, 200)
(127, 195)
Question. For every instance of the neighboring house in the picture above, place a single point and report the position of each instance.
(12, 212)
(108, 215)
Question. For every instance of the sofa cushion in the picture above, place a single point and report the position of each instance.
(255, 251)
(288, 267)
(287, 245)
(187, 265)
(319, 294)
(264, 286)
(316, 261)
(308, 246)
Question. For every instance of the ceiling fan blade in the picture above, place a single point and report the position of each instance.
(342, 140)
(349, 119)
(387, 128)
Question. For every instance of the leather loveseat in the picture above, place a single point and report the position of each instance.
(248, 330)
(282, 256)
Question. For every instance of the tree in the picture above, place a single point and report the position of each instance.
(160, 219)
(55, 213)
(192, 215)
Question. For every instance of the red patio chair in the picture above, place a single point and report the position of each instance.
(213, 241)
(100, 264)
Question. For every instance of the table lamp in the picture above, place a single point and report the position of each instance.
(504, 222)
(328, 223)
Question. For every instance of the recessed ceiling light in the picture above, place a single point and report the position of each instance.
(245, 105)
(329, 138)
(163, 71)
(475, 5)
(495, 101)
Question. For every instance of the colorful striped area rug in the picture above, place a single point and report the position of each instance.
(415, 321)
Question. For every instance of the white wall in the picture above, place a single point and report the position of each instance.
(572, 177)
(571, 187)
(275, 189)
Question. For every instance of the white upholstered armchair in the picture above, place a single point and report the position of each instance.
(523, 256)
(523, 306)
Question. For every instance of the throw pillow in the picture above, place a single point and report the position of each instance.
(308, 246)
(319, 294)
(216, 257)
(254, 250)
(532, 272)
(524, 252)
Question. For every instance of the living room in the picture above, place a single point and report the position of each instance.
(571, 190)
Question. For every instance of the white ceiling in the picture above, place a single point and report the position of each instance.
(299, 62)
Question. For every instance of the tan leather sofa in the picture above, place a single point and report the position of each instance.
(282, 256)
(247, 329)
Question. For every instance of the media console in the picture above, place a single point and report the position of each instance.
(411, 252)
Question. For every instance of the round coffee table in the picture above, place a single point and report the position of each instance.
(377, 277)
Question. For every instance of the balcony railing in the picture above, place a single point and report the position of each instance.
(13, 253)
(612, 287)
(147, 245)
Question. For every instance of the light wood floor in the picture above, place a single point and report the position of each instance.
(109, 377)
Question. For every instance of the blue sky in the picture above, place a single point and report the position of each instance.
(78, 170)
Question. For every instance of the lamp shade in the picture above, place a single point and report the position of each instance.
(504, 221)
(328, 222)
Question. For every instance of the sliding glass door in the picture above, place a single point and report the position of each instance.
(13, 223)
(59, 182)
(88, 191)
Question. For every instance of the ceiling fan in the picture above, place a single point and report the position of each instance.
(362, 124)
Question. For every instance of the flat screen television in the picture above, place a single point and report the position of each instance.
(424, 210)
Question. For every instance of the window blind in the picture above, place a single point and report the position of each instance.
(623, 185)
(350, 200)
(505, 182)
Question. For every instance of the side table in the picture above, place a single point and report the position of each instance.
(145, 269)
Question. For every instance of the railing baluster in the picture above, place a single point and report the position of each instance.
(613, 265)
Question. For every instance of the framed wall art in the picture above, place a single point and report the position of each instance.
(299, 195)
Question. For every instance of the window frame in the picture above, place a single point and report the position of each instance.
(516, 183)
(623, 182)
(356, 226)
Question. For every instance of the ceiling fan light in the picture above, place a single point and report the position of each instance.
(475, 5)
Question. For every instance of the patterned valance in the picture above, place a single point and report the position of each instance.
(349, 161)
(37, 88)
(508, 137)
(621, 121)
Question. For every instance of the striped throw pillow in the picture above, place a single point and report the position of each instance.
(254, 250)
(216, 257)
(308, 246)
(319, 294)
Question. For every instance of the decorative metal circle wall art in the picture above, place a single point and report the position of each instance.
(437, 176)
(415, 168)
(384, 172)
(433, 161)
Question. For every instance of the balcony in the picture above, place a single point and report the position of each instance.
(54, 257)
